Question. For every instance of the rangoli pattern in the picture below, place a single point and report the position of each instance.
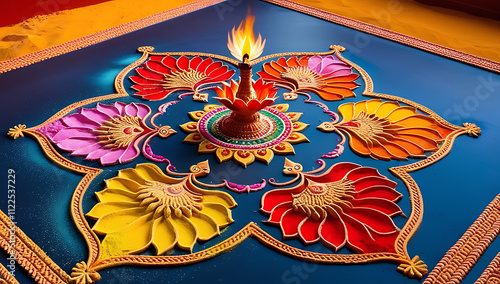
(349, 208)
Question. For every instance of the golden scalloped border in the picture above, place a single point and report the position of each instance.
(492, 272)
(29, 256)
(391, 35)
(460, 258)
(80, 43)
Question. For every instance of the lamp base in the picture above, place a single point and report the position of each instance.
(239, 127)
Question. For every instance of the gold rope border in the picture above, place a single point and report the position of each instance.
(80, 43)
(29, 256)
(391, 35)
(6, 277)
(492, 272)
(76, 200)
(460, 258)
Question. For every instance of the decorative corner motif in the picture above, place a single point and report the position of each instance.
(472, 129)
(17, 131)
(414, 269)
(81, 275)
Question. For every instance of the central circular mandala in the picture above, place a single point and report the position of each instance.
(272, 128)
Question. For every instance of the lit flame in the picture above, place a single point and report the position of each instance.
(243, 45)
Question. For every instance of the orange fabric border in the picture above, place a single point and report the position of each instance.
(392, 35)
(76, 44)
(48, 53)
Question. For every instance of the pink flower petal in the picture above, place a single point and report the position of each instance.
(314, 64)
(120, 107)
(142, 110)
(79, 120)
(109, 110)
(131, 110)
(73, 132)
(111, 157)
(130, 153)
(97, 154)
(86, 150)
(95, 115)
(331, 68)
(341, 72)
(72, 144)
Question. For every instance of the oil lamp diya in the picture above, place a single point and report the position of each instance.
(248, 126)
(246, 98)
